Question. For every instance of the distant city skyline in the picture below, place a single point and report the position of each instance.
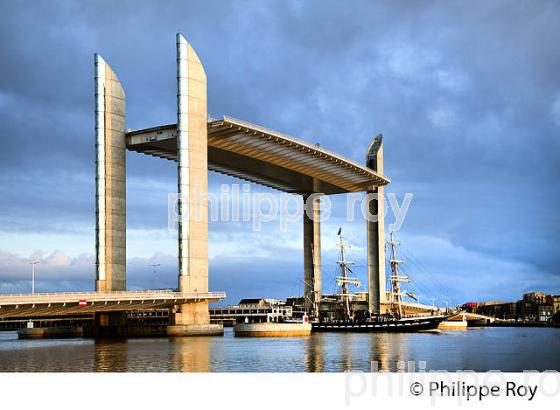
(469, 107)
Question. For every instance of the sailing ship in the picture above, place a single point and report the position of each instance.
(394, 320)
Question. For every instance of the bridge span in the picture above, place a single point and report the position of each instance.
(69, 303)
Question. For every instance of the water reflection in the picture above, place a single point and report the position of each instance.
(314, 353)
(349, 351)
(345, 344)
(110, 355)
(190, 354)
(506, 349)
(386, 350)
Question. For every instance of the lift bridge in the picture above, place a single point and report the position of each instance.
(199, 144)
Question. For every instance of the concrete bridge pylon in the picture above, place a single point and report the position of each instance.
(192, 188)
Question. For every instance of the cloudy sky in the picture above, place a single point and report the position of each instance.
(467, 97)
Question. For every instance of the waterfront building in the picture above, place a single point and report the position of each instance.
(555, 304)
(533, 307)
(544, 313)
(537, 298)
(253, 310)
(500, 310)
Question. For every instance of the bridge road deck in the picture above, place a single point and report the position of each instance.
(65, 303)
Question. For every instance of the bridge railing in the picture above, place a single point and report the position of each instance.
(102, 296)
(88, 291)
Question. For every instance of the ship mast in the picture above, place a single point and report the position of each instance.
(343, 280)
(396, 278)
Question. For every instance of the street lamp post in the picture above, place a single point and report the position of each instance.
(33, 275)
(155, 274)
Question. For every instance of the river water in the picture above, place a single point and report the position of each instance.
(478, 349)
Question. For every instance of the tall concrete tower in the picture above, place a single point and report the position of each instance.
(312, 283)
(192, 170)
(110, 173)
(376, 231)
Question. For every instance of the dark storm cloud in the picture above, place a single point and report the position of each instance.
(468, 98)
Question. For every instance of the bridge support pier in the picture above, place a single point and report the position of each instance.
(107, 324)
(312, 252)
(110, 319)
(61, 332)
(193, 319)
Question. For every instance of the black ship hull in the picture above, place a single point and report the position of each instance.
(409, 324)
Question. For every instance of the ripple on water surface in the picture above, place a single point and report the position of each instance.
(482, 349)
